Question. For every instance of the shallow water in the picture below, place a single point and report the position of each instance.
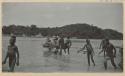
(34, 58)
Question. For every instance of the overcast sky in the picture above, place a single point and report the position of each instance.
(105, 16)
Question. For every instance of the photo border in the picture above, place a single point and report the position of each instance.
(61, 74)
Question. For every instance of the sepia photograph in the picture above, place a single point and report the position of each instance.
(48, 37)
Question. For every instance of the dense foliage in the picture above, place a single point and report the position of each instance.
(73, 30)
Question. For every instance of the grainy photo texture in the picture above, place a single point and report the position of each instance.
(62, 37)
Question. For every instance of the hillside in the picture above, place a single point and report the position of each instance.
(73, 30)
(90, 31)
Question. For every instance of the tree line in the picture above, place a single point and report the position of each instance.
(78, 30)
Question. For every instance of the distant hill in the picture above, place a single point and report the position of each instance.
(90, 31)
(79, 30)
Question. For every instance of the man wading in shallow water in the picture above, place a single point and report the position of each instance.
(48, 44)
(109, 54)
(89, 51)
(61, 45)
(56, 45)
(68, 44)
(12, 54)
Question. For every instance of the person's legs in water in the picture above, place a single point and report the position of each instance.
(121, 65)
(60, 51)
(64, 50)
(105, 63)
(113, 63)
(92, 60)
(12, 63)
(68, 50)
(88, 57)
(49, 49)
(56, 51)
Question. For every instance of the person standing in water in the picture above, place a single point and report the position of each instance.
(61, 45)
(48, 44)
(56, 45)
(68, 44)
(90, 51)
(109, 54)
(12, 54)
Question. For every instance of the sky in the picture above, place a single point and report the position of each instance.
(102, 15)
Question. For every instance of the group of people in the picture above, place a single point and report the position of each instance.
(106, 47)
(109, 51)
(59, 45)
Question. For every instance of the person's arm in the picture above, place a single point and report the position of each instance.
(105, 51)
(59, 42)
(4, 62)
(6, 57)
(81, 49)
(100, 51)
(92, 49)
(114, 51)
(70, 43)
(100, 45)
(17, 52)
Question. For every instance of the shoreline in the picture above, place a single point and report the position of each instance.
(52, 37)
